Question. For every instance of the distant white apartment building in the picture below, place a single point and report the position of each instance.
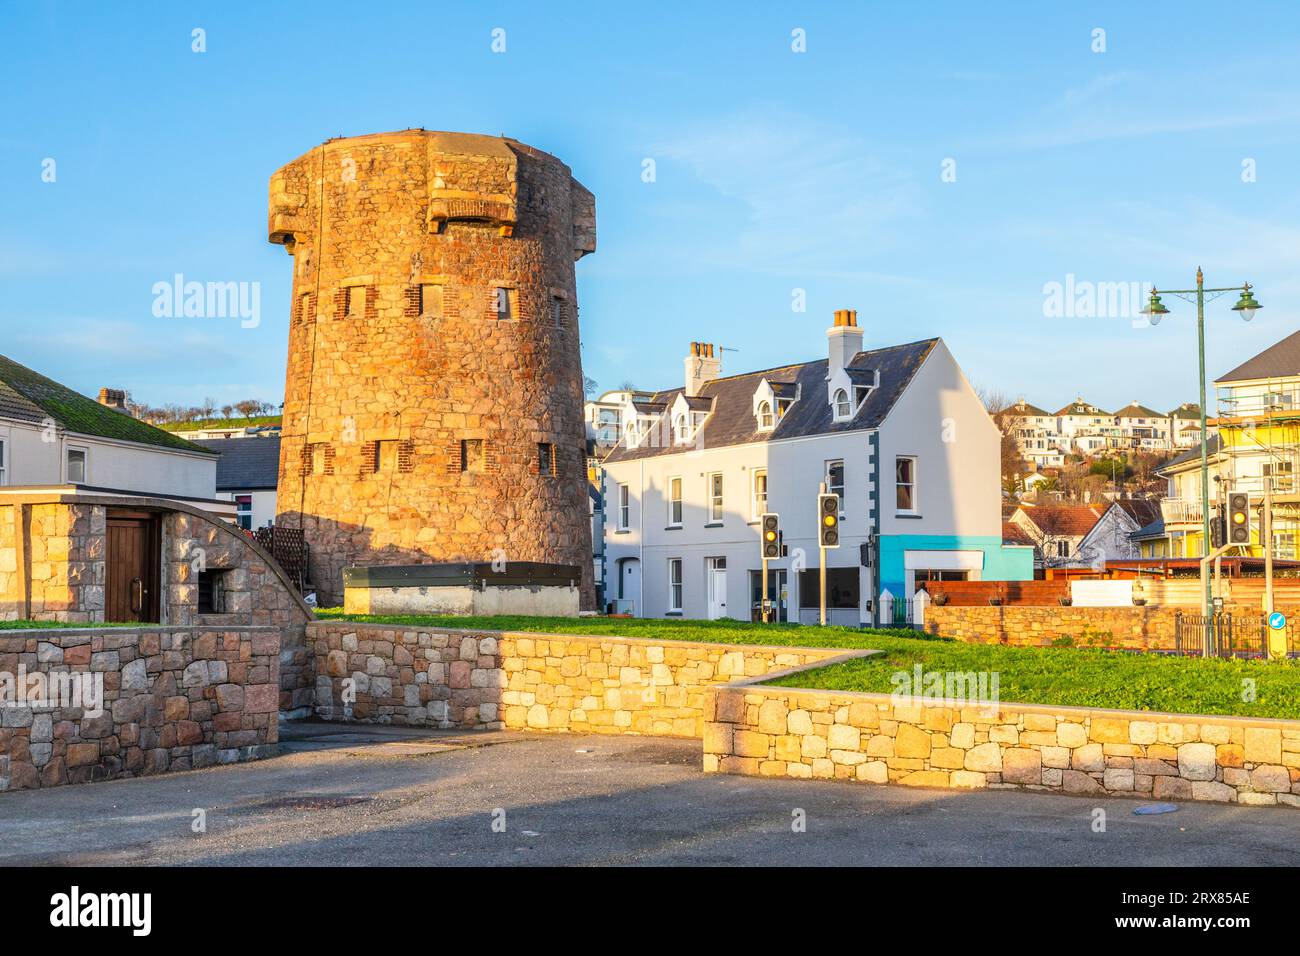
(1045, 438)
(896, 431)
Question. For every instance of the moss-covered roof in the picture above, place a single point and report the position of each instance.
(31, 397)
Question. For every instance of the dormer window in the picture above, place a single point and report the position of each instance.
(766, 420)
(681, 430)
(843, 409)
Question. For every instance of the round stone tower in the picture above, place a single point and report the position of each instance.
(433, 399)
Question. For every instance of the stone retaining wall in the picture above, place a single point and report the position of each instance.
(173, 699)
(785, 732)
(53, 567)
(1147, 628)
(1138, 628)
(583, 683)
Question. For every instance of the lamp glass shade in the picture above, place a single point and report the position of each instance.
(1246, 305)
(1155, 310)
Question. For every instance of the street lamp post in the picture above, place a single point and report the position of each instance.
(1155, 311)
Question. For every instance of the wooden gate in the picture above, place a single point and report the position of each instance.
(131, 591)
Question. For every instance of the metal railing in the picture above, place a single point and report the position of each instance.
(1228, 635)
(1180, 510)
(897, 612)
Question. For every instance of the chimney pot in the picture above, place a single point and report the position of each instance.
(844, 340)
(701, 367)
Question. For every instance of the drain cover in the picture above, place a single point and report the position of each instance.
(1148, 808)
(312, 803)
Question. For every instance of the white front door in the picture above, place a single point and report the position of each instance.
(630, 587)
(717, 592)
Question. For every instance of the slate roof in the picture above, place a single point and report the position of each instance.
(1187, 410)
(28, 396)
(1211, 449)
(1141, 510)
(1276, 361)
(1135, 410)
(732, 421)
(1080, 407)
(246, 464)
(1025, 410)
(1156, 529)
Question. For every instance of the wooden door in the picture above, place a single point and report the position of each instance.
(131, 579)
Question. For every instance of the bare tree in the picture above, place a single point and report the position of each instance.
(1013, 464)
(248, 407)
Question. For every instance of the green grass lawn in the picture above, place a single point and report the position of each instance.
(1026, 675)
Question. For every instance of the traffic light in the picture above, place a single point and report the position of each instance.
(1238, 517)
(828, 520)
(771, 544)
(1217, 525)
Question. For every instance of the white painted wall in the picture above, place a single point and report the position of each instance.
(31, 460)
(795, 470)
(263, 505)
(941, 420)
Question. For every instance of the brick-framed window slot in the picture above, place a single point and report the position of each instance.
(356, 300)
(317, 459)
(429, 300)
(546, 459)
(502, 303)
(385, 454)
(304, 310)
(471, 455)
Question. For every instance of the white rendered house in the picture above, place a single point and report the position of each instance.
(896, 431)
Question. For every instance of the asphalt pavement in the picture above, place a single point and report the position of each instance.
(356, 795)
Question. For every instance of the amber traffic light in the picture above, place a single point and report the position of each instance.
(828, 526)
(771, 525)
(1238, 517)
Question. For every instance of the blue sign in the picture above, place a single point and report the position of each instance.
(1277, 620)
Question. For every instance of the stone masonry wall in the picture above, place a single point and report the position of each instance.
(580, 683)
(255, 595)
(174, 699)
(784, 732)
(65, 544)
(65, 555)
(414, 413)
(1139, 628)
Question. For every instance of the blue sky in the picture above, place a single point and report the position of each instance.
(775, 171)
